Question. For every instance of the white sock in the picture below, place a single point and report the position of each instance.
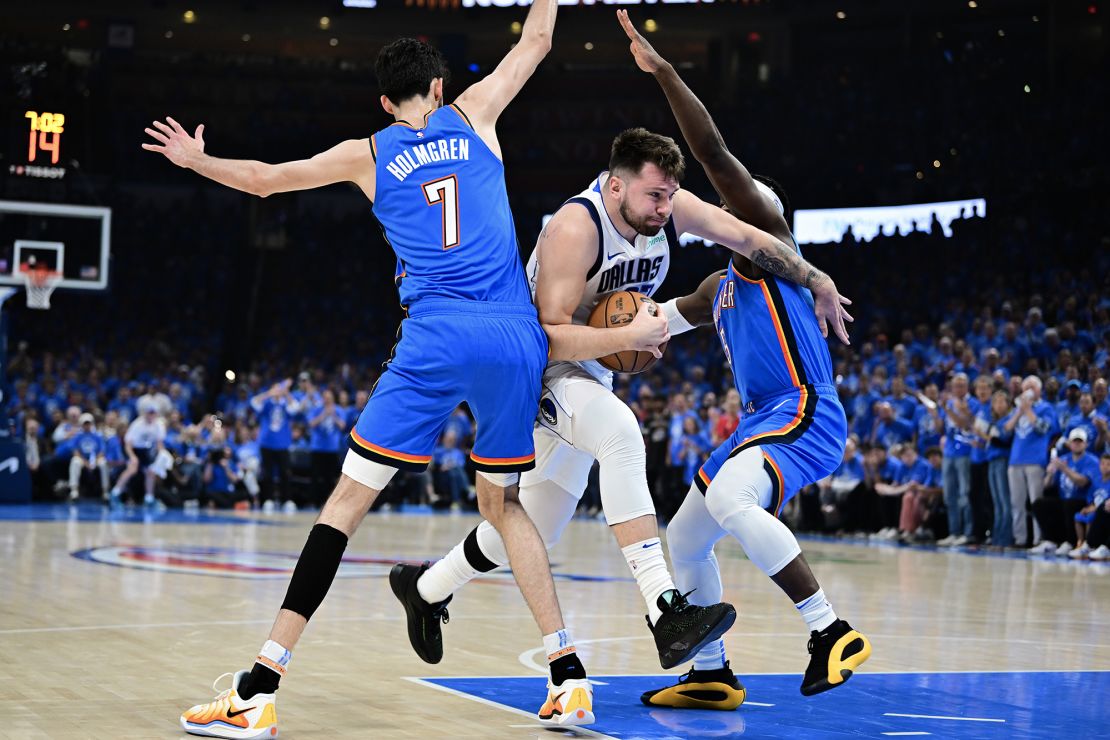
(446, 576)
(558, 644)
(648, 565)
(817, 611)
(275, 657)
(711, 657)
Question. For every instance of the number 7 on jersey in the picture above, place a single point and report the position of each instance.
(446, 191)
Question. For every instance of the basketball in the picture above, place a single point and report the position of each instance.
(618, 309)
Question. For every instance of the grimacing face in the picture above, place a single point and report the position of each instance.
(644, 199)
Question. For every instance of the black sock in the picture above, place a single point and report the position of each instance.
(568, 666)
(261, 680)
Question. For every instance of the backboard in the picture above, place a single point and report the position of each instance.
(72, 240)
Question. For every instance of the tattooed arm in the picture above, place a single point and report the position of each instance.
(693, 215)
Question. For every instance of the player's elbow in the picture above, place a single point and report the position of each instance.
(539, 40)
(710, 151)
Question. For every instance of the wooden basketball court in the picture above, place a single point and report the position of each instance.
(111, 625)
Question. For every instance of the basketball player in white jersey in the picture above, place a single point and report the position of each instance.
(615, 235)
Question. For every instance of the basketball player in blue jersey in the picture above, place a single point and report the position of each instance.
(793, 433)
(436, 182)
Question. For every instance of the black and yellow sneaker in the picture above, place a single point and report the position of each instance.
(423, 618)
(835, 653)
(684, 629)
(715, 689)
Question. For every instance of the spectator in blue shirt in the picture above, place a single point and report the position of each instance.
(1033, 423)
(889, 429)
(920, 482)
(1090, 422)
(1097, 513)
(958, 417)
(690, 448)
(449, 470)
(88, 457)
(904, 403)
(1068, 409)
(275, 409)
(888, 474)
(328, 424)
(928, 420)
(1099, 393)
(981, 510)
(995, 443)
(1072, 475)
(221, 477)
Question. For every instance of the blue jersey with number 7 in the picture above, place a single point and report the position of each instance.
(442, 203)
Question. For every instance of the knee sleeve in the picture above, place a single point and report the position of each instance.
(690, 539)
(736, 499)
(607, 429)
(369, 473)
(550, 508)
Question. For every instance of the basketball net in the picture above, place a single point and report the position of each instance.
(40, 283)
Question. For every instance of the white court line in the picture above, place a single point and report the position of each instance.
(577, 731)
(935, 716)
(898, 734)
(528, 657)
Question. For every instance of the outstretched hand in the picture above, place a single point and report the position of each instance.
(829, 305)
(647, 58)
(175, 142)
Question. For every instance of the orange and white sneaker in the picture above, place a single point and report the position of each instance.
(570, 703)
(228, 716)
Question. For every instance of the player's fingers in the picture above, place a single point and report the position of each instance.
(200, 133)
(824, 326)
(656, 353)
(164, 128)
(176, 126)
(845, 300)
(157, 136)
(154, 148)
(841, 330)
(847, 316)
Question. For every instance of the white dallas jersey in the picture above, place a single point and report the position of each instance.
(640, 265)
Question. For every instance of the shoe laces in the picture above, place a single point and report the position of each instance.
(226, 692)
(440, 613)
(681, 604)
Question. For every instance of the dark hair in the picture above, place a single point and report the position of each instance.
(635, 147)
(934, 451)
(406, 68)
(780, 191)
(1105, 456)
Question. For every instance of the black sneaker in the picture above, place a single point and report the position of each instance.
(715, 689)
(684, 629)
(423, 618)
(834, 652)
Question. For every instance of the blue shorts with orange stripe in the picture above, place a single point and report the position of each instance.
(491, 355)
(801, 433)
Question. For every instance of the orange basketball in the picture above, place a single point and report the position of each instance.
(617, 309)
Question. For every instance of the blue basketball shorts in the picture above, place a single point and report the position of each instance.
(801, 433)
(491, 355)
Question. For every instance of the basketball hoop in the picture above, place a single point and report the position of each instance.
(40, 283)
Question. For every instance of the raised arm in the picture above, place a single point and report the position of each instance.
(348, 161)
(730, 178)
(693, 215)
(484, 101)
(567, 249)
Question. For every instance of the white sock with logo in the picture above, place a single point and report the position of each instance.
(645, 560)
(817, 611)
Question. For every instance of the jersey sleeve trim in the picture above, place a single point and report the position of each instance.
(374, 147)
(672, 234)
(592, 210)
(462, 115)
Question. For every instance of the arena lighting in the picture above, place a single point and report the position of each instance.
(360, 3)
(230, 375)
(827, 225)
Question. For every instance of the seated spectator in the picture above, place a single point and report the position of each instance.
(222, 482)
(1097, 496)
(144, 440)
(889, 429)
(1098, 531)
(88, 458)
(729, 418)
(884, 469)
(1072, 476)
(921, 478)
(449, 471)
(843, 494)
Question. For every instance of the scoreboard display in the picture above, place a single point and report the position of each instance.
(38, 144)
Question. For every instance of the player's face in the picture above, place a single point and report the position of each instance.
(645, 200)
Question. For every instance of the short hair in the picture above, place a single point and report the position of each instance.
(929, 452)
(635, 147)
(405, 69)
(1105, 455)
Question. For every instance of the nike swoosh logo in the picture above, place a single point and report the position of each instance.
(650, 544)
(241, 711)
(613, 256)
(780, 405)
